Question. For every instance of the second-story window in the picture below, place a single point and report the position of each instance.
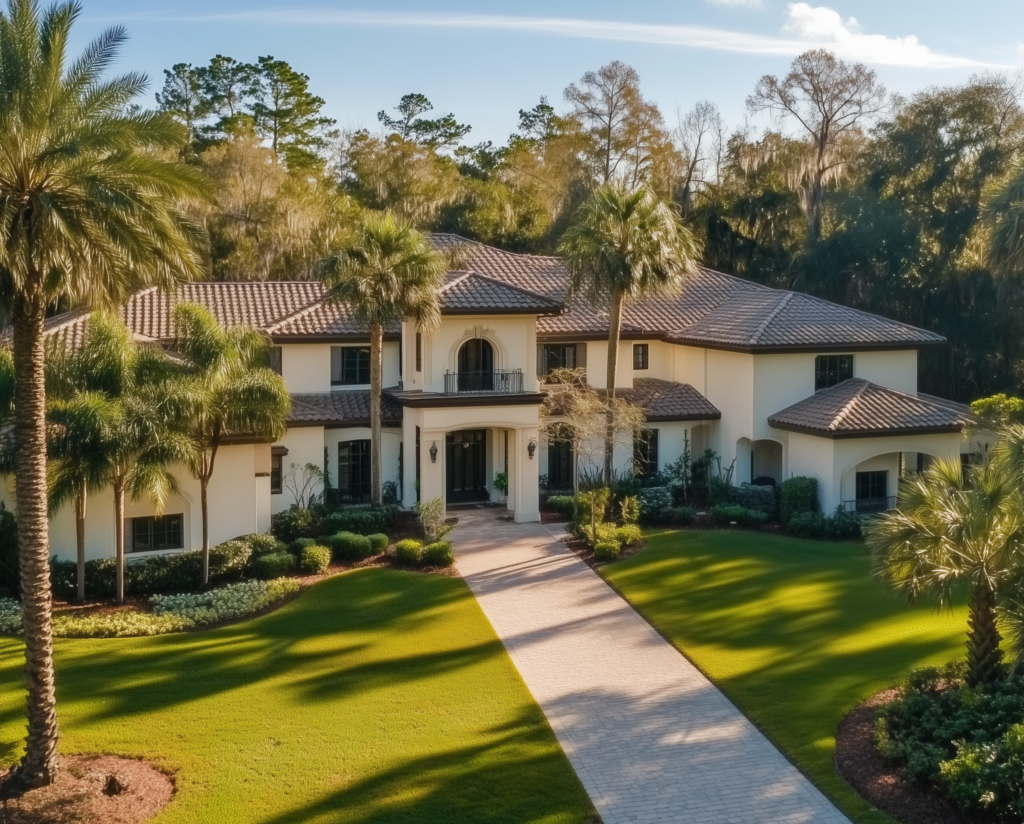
(558, 356)
(274, 359)
(641, 352)
(419, 352)
(832, 369)
(350, 365)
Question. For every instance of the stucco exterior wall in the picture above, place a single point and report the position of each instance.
(512, 338)
(305, 445)
(597, 365)
(896, 369)
(306, 367)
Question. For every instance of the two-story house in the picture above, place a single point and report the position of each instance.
(778, 383)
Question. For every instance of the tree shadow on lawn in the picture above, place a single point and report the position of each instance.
(311, 646)
(517, 773)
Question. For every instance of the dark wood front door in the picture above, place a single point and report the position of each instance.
(466, 465)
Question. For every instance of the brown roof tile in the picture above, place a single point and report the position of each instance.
(670, 401)
(349, 408)
(859, 408)
(467, 292)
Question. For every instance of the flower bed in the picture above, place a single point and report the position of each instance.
(170, 613)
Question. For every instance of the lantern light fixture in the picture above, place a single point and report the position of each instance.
(531, 448)
(433, 452)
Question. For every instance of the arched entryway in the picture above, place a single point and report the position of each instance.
(466, 464)
(476, 366)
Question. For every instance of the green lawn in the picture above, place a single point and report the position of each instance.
(795, 632)
(376, 697)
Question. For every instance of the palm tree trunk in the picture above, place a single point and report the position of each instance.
(39, 765)
(614, 332)
(80, 504)
(984, 658)
(204, 485)
(119, 537)
(376, 350)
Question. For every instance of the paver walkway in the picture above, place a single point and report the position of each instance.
(650, 737)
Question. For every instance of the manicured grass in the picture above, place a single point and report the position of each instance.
(378, 696)
(795, 632)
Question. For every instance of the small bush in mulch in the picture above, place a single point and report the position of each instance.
(98, 789)
(439, 554)
(409, 552)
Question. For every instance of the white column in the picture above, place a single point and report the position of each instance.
(410, 420)
(432, 473)
(527, 487)
(514, 470)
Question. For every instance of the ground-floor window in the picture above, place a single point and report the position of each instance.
(560, 465)
(276, 478)
(354, 471)
(155, 532)
(872, 491)
(645, 452)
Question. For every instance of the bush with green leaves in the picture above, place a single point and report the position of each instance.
(654, 499)
(839, 526)
(361, 521)
(273, 566)
(347, 546)
(673, 515)
(439, 554)
(259, 543)
(967, 741)
(562, 504)
(297, 523)
(734, 513)
(409, 551)
(433, 519)
(315, 560)
(606, 550)
(797, 495)
(628, 535)
(378, 542)
(629, 509)
(268, 549)
(604, 533)
(760, 498)
(300, 544)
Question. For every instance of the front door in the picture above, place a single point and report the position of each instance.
(467, 465)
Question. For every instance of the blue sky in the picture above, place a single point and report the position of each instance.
(485, 61)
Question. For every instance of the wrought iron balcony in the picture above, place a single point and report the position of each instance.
(492, 381)
(870, 506)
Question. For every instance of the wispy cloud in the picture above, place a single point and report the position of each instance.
(806, 27)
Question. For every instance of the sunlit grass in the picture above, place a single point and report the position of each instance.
(376, 697)
(795, 632)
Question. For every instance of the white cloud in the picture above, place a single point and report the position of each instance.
(807, 27)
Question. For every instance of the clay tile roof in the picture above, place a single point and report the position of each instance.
(670, 401)
(859, 408)
(540, 274)
(350, 408)
(328, 319)
(471, 292)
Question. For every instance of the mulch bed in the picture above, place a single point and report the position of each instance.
(98, 789)
(859, 763)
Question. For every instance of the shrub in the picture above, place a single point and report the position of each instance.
(361, 521)
(265, 549)
(378, 542)
(10, 616)
(439, 554)
(606, 551)
(347, 546)
(629, 535)
(679, 515)
(562, 504)
(227, 603)
(728, 513)
(273, 566)
(297, 523)
(654, 499)
(591, 505)
(10, 580)
(432, 518)
(839, 526)
(409, 551)
(760, 498)
(228, 562)
(797, 495)
(315, 559)
(806, 525)
(259, 543)
(300, 544)
(630, 507)
(605, 533)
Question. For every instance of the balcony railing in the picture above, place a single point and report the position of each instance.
(870, 506)
(495, 381)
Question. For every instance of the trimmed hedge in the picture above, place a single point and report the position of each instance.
(562, 504)
(606, 551)
(269, 549)
(273, 566)
(378, 542)
(628, 535)
(839, 526)
(315, 559)
(727, 513)
(347, 546)
(797, 495)
(259, 543)
(439, 554)
(760, 498)
(676, 515)
(318, 520)
(603, 533)
(300, 544)
(409, 551)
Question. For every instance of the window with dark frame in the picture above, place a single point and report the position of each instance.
(560, 465)
(276, 478)
(831, 369)
(157, 532)
(419, 352)
(873, 487)
(354, 471)
(559, 356)
(645, 452)
(350, 365)
(640, 355)
(275, 359)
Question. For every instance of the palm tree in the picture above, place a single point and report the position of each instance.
(1003, 210)
(228, 389)
(386, 271)
(88, 212)
(950, 526)
(626, 245)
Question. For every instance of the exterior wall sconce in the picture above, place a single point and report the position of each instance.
(531, 448)
(433, 452)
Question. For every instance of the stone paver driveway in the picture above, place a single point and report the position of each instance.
(650, 737)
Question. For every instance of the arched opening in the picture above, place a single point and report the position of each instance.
(766, 462)
(476, 366)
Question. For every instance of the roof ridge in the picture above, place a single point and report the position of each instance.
(763, 325)
(512, 286)
(468, 241)
(316, 304)
(455, 281)
(848, 406)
